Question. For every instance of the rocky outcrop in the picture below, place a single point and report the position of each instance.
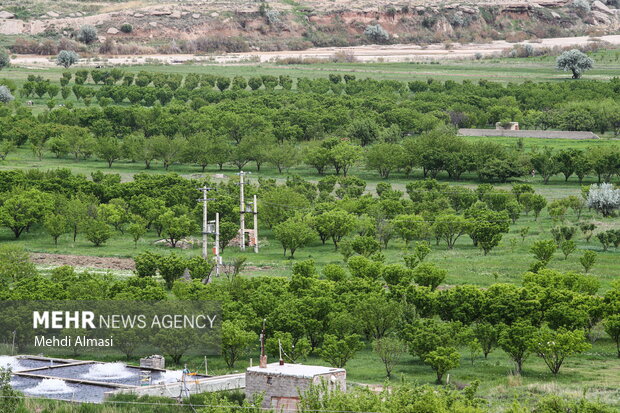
(6, 15)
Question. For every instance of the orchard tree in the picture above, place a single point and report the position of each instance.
(450, 227)
(343, 156)
(612, 327)
(384, 158)
(175, 342)
(338, 351)
(56, 225)
(335, 224)
(604, 199)
(21, 209)
(587, 260)
(236, 341)
(175, 228)
(486, 334)
(97, 231)
(67, 58)
(575, 61)
(410, 227)
(294, 233)
(429, 275)
(516, 340)
(109, 149)
(545, 163)
(553, 346)
(442, 360)
(390, 350)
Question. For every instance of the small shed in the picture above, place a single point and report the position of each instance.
(507, 125)
(282, 384)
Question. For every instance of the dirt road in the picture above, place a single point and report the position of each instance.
(372, 53)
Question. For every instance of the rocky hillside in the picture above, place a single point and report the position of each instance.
(228, 25)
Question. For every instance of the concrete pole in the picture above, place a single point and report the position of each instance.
(204, 223)
(241, 211)
(255, 225)
(217, 244)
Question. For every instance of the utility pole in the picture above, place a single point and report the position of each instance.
(242, 211)
(217, 244)
(204, 201)
(255, 225)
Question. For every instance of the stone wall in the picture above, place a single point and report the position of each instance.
(543, 134)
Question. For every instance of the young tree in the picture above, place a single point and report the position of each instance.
(516, 341)
(338, 351)
(137, 229)
(568, 247)
(97, 231)
(612, 327)
(553, 346)
(587, 260)
(442, 360)
(575, 61)
(236, 340)
(450, 227)
(390, 350)
(486, 334)
(56, 225)
(67, 58)
(543, 250)
(294, 233)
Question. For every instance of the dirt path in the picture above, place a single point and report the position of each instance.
(83, 261)
(372, 53)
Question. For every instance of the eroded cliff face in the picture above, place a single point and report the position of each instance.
(195, 26)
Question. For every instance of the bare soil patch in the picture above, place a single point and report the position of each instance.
(83, 261)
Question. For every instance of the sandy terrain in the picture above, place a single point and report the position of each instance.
(373, 53)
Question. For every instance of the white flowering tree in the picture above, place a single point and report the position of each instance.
(575, 61)
(604, 199)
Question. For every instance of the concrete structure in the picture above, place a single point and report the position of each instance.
(282, 384)
(153, 362)
(542, 134)
(507, 125)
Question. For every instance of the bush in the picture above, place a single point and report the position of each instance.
(126, 28)
(146, 264)
(376, 33)
(87, 34)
